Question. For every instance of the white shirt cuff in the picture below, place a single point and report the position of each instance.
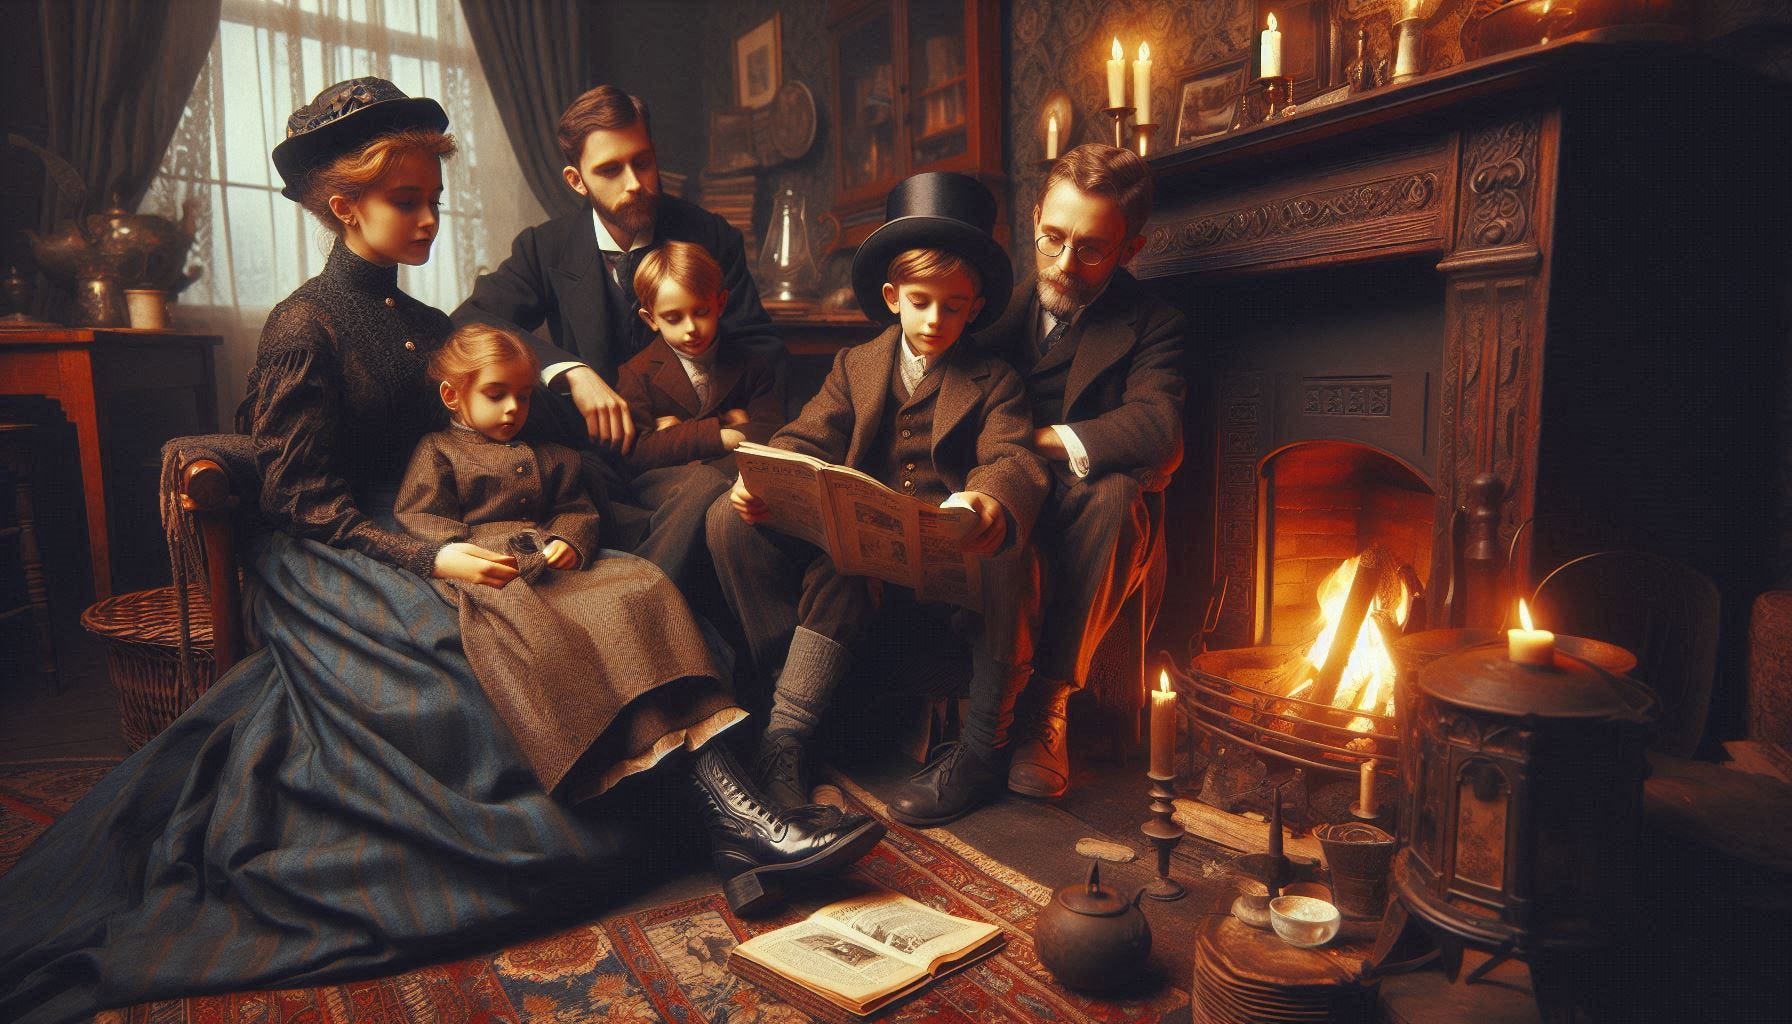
(957, 500)
(548, 373)
(1073, 446)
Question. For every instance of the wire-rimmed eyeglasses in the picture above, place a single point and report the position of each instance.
(1052, 248)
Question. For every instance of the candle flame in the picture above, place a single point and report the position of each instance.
(1142, 140)
(1163, 680)
(1119, 54)
(1272, 22)
(1144, 51)
(1524, 615)
(1054, 121)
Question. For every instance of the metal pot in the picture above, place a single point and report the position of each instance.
(1091, 938)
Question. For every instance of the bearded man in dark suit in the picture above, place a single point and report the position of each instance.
(1102, 359)
(576, 274)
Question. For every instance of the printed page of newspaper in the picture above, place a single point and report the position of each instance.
(947, 573)
(790, 486)
(876, 526)
(912, 930)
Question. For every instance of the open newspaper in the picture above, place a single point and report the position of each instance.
(862, 954)
(865, 527)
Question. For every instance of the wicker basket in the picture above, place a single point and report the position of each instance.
(143, 656)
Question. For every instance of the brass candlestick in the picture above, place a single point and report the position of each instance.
(1278, 92)
(1164, 834)
(1144, 132)
(1118, 115)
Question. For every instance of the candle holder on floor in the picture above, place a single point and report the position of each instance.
(1118, 115)
(1164, 834)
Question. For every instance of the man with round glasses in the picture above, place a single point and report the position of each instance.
(1102, 360)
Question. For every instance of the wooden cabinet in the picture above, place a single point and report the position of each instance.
(917, 88)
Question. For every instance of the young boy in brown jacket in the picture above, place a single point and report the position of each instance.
(694, 397)
(931, 418)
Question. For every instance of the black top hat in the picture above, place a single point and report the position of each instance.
(935, 210)
(341, 119)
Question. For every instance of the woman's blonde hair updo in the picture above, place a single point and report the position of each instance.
(355, 174)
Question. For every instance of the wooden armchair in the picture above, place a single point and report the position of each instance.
(211, 482)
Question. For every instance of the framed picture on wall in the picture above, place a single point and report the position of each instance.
(758, 64)
(1207, 98)
(1304, 27)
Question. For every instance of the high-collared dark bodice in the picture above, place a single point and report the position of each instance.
(336, 402)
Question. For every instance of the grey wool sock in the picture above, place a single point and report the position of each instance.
(811, 670)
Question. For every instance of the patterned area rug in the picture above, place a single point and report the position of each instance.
(666, 963)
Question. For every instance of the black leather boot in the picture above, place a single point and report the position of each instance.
(755, 847)
(780, 771)
(956, 782)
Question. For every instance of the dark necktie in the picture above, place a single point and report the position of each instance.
(621, 271)
(1053, 336)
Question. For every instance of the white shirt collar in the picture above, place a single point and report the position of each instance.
(705, 362)
(607, 242)
(912, 358)
(1048, 320)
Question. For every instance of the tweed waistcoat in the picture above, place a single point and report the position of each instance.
(902, 453)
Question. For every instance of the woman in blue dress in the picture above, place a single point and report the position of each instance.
(346, 802)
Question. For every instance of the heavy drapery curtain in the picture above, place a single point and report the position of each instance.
(532, 54)
(267, 58)
(117, 77)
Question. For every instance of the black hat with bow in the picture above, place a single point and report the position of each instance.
(935, 210)
(342, 119)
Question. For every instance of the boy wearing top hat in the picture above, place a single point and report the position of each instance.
(931, 418)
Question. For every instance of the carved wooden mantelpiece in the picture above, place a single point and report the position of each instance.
(1459, 172)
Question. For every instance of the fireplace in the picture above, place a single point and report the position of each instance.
(1322, 502)
(1464, 286)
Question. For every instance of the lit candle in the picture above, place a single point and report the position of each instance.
(1143, 139)
(1529, 646)
(1163, 728)
(1270, 52)
(1117, 76)
(1365, 791)
(1051, 137)
(1141, 86)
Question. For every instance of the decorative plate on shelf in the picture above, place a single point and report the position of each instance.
(793, 120)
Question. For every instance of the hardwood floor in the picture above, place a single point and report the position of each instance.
(77, 719)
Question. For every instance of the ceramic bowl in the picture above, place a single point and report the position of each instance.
(1252, 904)
(1304, 920)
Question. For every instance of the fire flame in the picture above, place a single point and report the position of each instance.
(1163, 680)
(1119, 54)
(1368, 680)
(1524, 616)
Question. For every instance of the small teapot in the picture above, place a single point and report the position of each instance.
(1091, 938)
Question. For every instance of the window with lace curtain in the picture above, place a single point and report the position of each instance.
(253, 245)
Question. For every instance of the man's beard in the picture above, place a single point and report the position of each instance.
(633, 215)
(1062, 294)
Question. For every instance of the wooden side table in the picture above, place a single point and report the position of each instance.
(126, 392)
(15, 463)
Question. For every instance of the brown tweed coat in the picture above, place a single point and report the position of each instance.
(598, 672)
(981, 424)
(654, 384)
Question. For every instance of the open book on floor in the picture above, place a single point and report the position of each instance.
(868, 529)
(854, 958)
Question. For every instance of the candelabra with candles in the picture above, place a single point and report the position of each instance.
(1117, 111)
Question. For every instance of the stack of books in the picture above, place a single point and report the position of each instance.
(730, 196)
